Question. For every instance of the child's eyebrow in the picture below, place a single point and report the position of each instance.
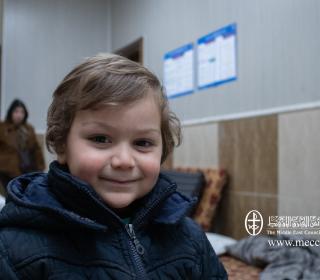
(97, 123)
(111, 127)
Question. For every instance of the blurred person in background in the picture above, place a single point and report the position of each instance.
(19, 149)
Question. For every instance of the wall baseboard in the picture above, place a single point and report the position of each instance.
(250, 114)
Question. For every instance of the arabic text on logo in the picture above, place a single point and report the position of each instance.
(254, 222)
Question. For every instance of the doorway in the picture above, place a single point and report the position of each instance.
(133, 51)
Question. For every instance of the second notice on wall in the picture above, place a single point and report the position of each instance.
(215, 62)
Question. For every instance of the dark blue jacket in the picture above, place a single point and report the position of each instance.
(55, 226)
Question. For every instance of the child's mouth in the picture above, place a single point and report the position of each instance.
(121, 182)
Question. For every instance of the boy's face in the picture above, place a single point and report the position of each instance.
(117, 150)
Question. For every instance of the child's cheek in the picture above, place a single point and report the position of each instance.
(89, 169)
(152, 167)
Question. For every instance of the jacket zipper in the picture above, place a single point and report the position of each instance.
(137, 252)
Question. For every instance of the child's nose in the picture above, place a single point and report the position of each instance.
(122, 158)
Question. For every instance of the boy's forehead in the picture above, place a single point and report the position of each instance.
(126, 101)
(142, 116)
(113, 127)
(149, 99)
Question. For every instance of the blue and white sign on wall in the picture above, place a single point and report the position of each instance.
(216, 62)
(179, 71)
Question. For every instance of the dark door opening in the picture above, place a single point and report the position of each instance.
(133, 51)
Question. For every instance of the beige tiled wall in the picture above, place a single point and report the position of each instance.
(199, 147)
(299, 163)
(248, 151)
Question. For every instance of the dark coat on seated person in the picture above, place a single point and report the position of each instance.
(54, 226)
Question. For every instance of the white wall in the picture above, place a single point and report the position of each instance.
(42, 41)
(1, 16)
(277, 49)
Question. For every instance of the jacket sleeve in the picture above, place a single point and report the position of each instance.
(212, 269)
(7, 270)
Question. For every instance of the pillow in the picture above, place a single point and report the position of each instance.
(211, 193)
(220, 242)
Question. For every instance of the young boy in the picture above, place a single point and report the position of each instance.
(104, 211)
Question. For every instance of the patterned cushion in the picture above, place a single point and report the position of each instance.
(206, 208)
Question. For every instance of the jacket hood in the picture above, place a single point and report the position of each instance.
(58, 200)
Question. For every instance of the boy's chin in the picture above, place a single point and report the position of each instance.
(127, 210)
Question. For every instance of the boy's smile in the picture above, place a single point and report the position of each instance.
(117, 150)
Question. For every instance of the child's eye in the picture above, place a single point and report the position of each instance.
(100, 139)
(144, 143)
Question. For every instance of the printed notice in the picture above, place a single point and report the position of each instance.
(179, 71)
(217, 57)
